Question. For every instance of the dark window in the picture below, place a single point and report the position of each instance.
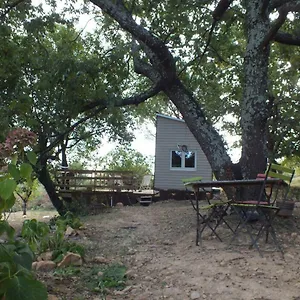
(176, 159)
(183, 160)
(189, 159)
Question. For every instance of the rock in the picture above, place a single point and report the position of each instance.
(131, 251)
(44, 265)
(45, 256)
(70, 258)
(52, 297)
(294, 235)
(171, 291)
(290, 256)
(130, 274)
(119, 204)
(100, 260)
(100, 273)
(127, 289)
(297, 285)
(70, 231)
(168, 243)
(195, 295)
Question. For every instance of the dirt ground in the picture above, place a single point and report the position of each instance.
(157, 246)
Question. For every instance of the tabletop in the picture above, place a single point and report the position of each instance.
(223, 183)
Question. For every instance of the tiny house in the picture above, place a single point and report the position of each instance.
(177, 155)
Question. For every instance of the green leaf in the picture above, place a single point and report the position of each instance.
(23, 288)
(31, 157)
(14, 172)
(9, 203)
(26, 170)
(6, 253)
(7, 188)
(6, 228)
(14, 158)
(23, 259)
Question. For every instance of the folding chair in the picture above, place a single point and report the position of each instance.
(192, 196)
(265, 206)
(215, 211)
(146, 182)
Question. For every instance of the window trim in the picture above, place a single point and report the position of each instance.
(183, 168)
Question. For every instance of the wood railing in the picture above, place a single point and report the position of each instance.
(94, 180)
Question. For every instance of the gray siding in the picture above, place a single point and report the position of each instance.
(171, 132)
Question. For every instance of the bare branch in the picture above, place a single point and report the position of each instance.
(283, 11)
(200, 56)
(124, 18)
(221, 8)
(287, 39)
(276, 4)
(133, 100)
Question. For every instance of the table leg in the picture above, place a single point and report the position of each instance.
(198, 216)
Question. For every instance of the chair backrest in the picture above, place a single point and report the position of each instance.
(186, 181)
(283, 173)
(146, 182)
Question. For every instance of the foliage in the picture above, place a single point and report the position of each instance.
(35, 234)
(114, 276)
(57, 242)
(16, 279)
(292, 162)
(69, 219)
(111, 276)
(127, 159)
(60, 247)
(69, 271)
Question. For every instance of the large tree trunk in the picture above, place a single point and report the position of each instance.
(254, 112)
(45, 178)
(210, 140)
(46, 181)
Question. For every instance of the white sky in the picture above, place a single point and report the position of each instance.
(144, 142)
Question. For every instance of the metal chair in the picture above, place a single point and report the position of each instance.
(214, 211)
(265, 206)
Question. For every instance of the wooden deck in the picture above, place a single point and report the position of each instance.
(69, 181)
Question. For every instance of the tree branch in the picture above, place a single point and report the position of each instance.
(140, 66)
(10, 6)
(283, 11)
(221, 8)
(101, 105)
(287, 39)
(276, 4)
(217, 14)
(124, 18)
(133, 100)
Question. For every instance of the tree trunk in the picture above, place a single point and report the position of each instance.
(210, 140)
(46, 181)
(254, 112)
(24, 207)
(64, 161)
(44, 176)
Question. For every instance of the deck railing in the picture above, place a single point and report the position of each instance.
(94, 180)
